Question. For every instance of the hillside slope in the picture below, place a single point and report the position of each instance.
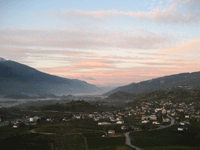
(18, 78)
(183, 80)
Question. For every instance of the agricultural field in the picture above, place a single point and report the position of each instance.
(9, 131)
(74, 126)
(168, 138)
(106, 142)
(22, 139)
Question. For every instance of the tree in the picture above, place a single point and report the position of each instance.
(38, 121)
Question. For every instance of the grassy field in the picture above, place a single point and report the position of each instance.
(168, 137)
(99, 142)
(9, 131)
(115, 148)
(171, 148)
(94, 134)
(89, 129)
(22, 140)
(68, 142)
(75, 126)
(26, 142)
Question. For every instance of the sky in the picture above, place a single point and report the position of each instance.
(103, 42)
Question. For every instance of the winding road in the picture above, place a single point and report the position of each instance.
(128, 140)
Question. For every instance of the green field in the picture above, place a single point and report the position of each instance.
(99, 142)
(115, 148)
(168, 137)
(33, 141)
(75, 126)
(26, 142)
(9, 131)
(171, 148)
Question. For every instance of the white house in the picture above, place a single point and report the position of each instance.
(96, 119)
(123, 127)
(187, 116)
(145, 117)
(78, 117)
(158, 109)
(120, 122)
(15, 126)
(112, 119)
(34, 119)
(166, 120)
(180, 129)
(182, 123)
(145, 121)
(164, 111)
(153, 117)
(104, 123)
(48, 119)
(155, 122)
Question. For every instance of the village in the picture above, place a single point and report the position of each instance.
(151, 113)
(119, 126)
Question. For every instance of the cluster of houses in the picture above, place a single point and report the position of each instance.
(112, 117)
(25, 122)
(181, 112)
(153, 112)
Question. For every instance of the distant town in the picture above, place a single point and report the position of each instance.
(114, 122)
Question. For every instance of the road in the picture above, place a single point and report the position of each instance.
(128, 140)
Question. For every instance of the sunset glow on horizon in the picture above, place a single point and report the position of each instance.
(106, 43)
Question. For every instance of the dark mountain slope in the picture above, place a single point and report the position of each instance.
(17, 96)
(18, 78)
(184, 80)
(122, 96)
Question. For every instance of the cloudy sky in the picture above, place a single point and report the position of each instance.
(103, 42)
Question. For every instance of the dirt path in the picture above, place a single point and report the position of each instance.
(85, 140)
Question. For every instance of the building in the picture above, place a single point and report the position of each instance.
(111, 133)
(166, 120)
(164, 111)
(180, 129)
(182, 123)
(120, 122)
(123, 127)
(187, 122)
(96, 119)
(158, 109)
(34, 119)
(187, 116)
(155, 122)
(153, 117)
(104, 123)
(145, 121)
(78, 117)
(144, 117)
(48, 119)
(137, 128)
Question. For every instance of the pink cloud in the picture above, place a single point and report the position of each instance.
(56, 39)
(187, 47)
(169, 14)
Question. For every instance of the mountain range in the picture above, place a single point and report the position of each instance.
(16, 78)
(178, 81)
